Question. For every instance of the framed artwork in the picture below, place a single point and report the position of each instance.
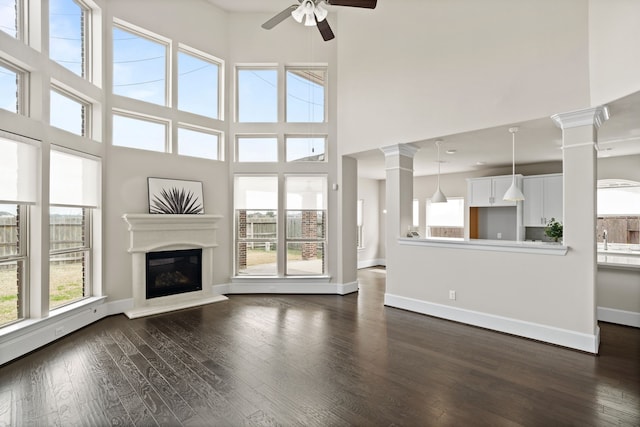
(175, 196)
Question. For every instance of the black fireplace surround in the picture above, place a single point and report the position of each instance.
(173, 272)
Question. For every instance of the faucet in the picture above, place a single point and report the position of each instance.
(604, 238)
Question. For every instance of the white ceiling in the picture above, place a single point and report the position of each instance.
(536, 141)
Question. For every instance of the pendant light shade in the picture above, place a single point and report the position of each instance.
(438, 196)
(513, 194)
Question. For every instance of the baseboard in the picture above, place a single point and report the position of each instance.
(366, 263)
(563, 337)
(33, 334)
(270, 287)
(621, 317)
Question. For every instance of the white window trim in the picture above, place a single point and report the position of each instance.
(148, 118)
(215, 61)
(323, 67)
(202, 129)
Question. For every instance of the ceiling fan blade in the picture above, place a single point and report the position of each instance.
(279, 17)
(368, 4)
(325, 30)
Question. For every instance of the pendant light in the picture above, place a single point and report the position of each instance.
(513, 194)
(438, 196)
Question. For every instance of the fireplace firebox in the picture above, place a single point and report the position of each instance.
(173, 272)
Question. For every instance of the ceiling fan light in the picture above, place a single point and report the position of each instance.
(310, 20)
(320, 12)
(298, 14)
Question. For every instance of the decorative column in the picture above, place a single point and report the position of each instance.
(579, 163)
(399, 188)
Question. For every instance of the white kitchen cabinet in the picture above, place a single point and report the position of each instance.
(542, 199)
(488, 191)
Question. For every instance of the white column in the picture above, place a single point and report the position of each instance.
(579, 163)
(399, 197)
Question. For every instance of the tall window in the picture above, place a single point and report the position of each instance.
(446, 219)
(306, 90)
(69, 112)
(73, 196)
(12, 88)
(306, 224)
(257, 95)
(140, 65)
(18, 165)
(10, 17)
(198, 83)
(68, 34)
(256, 217)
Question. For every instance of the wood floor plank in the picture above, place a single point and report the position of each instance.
(318, 360)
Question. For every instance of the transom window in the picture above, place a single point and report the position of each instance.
(204, 143)
(140, 65)
(68, 34)
(144, 133)
(69, 112)
(256, 149)
(10, 17)
(306, 148)
(12, 88)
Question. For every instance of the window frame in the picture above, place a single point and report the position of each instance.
(325, 108)
(203, 56)
(22, 87)
(21, 257)
(86, 43)
(236, 150)
(209, 131)
(256, 67)
(145, 118)
(155, 38)
(87, 110)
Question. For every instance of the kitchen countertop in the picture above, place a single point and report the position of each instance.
(547, 248)
(619, 258)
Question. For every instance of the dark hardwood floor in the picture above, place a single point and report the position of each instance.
(318, 360)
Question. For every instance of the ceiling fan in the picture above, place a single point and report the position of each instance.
(312, 14)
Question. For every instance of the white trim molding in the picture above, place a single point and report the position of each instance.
(563, 337)
(284, 286)
(406, 150)
(595, 116)
(620, 317)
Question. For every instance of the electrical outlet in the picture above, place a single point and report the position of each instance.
(452, 295)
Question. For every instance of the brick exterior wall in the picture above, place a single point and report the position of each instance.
(242, 234)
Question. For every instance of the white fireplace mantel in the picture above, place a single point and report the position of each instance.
(158, 232)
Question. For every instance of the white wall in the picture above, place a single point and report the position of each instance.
(415, 69)
(372, 211)
(614, 42)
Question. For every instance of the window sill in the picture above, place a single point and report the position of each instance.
(26, 326)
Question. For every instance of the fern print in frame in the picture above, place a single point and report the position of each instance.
(175, 196)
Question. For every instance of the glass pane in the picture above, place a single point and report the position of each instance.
(305, 258)
(257, 149)
(306, 192)
(11, 297)
(9, 230)
(66, 34)
(257, 258)
(198, 144)
(305, 95)
(257, 96)
(9, 17)
(66, 278)
(305, 225)
(139, 67)
(256, 192)
(197, 85)
(67, 113)
(256, 225)
(142, 134)
(306, 149)
(66, 228)
(9, 86)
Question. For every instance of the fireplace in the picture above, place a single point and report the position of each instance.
(173, 272)
(171, 262)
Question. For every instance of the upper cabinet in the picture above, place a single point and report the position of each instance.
(488, 191)
(542, 199)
